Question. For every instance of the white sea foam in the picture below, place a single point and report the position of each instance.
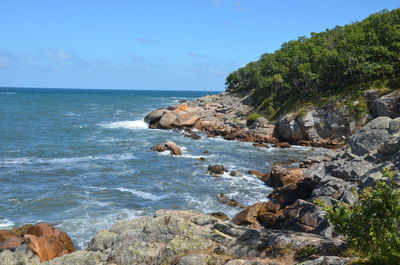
(5, 223)
(131, 125)
(141, 194)
(8, 93)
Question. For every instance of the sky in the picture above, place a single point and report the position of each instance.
(154, 44)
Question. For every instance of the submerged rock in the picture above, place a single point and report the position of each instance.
(217, 169)
(174, 148)
(228, 201)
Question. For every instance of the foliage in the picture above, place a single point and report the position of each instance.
(372, 224)
(357, 56)
(252, 118)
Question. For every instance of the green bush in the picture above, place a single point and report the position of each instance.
(252, 118)
(372, 224)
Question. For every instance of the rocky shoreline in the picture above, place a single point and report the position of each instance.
(288, 229)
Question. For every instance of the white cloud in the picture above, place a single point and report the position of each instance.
(54, 54)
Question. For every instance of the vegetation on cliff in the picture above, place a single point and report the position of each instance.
(339, 62)
(372, 223)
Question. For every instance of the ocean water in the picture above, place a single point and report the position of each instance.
(81, 160)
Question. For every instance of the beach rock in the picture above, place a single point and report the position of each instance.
(4, 234)
(216, 169)
(228, 201)
(159, 148)
(174, 148)
(48, 242)
(260, 145)
(185, 119)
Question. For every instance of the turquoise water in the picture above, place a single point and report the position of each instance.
(81, 159)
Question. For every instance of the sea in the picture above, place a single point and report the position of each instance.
(81, 160)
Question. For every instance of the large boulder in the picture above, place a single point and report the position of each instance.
(388, 105)
(167, 120)
(174, 148)
(280, 176)
(154, 116)
(381, 134)
(48, 242)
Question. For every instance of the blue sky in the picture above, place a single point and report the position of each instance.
(175, 44)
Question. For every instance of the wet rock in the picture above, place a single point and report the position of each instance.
(201, 158)
(220, 215)
(174, 148)
(159, 148)
(283, 145)
(256, 173)
(228, 201)
(216, 169)
(260, 145)
(167, 120)
(236, 173)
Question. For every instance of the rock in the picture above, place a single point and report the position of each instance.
(216, 169)
(260, 145)
(185, 119)
(174, 148)
(167, 120)
(280, 176)
(194, 259)
(228, 201)
(220, 215)
(159, 148)
(201, 158)
(4, 234)
(388, 105)
(236, 173)
(154, 116)
(256, 173)
(21, 256)
(382, 134)
(11, 242)
(80, 258)
(328, 260)
(249, 215)
(283, 145)
(48, 242)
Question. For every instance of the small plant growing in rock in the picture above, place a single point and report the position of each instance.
(252, 118)
(372, 224)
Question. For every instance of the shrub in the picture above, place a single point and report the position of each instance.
(372, 224)
(252, 118)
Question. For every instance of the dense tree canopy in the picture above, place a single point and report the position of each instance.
(355, 55)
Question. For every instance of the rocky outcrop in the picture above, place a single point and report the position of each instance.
(30, 243)
(388, 105)
(381, 134)
(325, 127)
(223, 115)
(191, 238)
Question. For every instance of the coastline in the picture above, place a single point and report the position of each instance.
(286, 226)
